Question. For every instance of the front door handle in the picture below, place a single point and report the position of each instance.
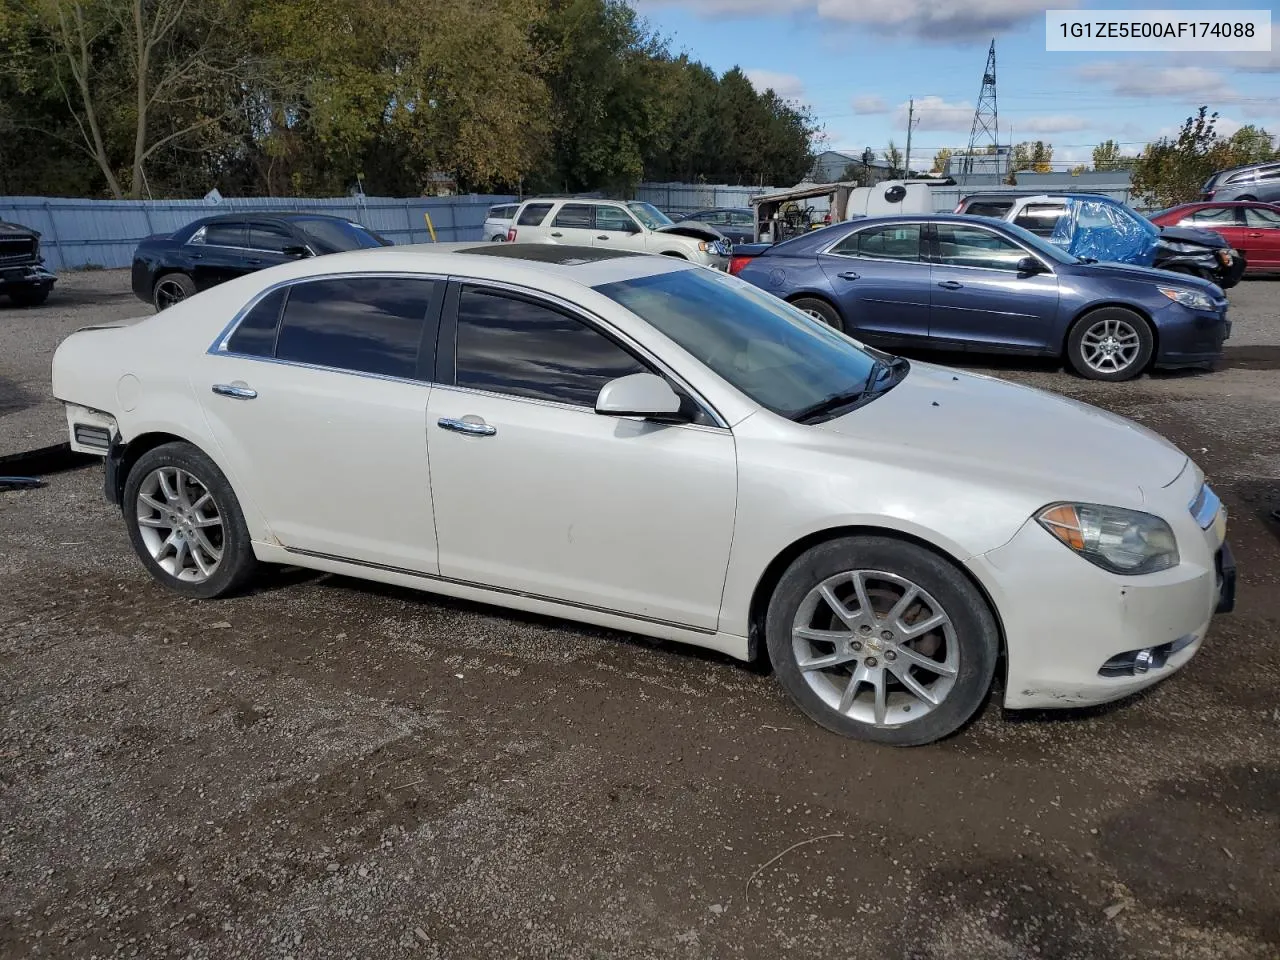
(1254, 234)
(603, 236)
(848, 275)
(469, 427)
(235, 391)
(951, 284)
(557, 234)
(254, 261)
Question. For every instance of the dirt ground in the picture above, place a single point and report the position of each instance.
(330, 768)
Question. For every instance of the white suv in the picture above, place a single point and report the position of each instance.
(618, 225)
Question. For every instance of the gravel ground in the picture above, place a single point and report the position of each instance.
(330, 768)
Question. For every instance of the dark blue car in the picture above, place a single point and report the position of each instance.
(983, 285)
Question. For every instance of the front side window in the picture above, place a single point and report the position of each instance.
(1215, 216)
(270, 237)
(1262, 217)
(1269, 173)
(766, 349)
(579, 215)
(517, 347)
(534, 214)
(742, 218)
(960, 245)
(896, 241)
(615, 219)
(1040, 218)
(361, 324)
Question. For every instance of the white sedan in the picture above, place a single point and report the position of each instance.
(638, 443)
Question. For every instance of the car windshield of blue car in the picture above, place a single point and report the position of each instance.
(334, 236)
(1040, 245)
(649, 215)
(784, 360)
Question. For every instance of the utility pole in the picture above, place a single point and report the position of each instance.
(906, 161)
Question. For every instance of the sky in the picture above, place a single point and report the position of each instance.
(857, 63)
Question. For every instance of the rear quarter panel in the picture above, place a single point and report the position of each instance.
(788, 277)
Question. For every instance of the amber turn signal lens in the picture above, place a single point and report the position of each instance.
(1064, 524)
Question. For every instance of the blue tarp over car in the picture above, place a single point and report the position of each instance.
(1100, 229)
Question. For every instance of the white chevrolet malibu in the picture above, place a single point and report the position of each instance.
(643, 444)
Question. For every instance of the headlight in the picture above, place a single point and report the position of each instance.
(1188, 298)
(1119, 540)
(703, 246)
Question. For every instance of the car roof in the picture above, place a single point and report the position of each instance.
(273, 215)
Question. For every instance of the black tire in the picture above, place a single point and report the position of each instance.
(237, 564)
(30, 296)
(674, 255)
(171, 288)
(1245, 198)
(1124, 320)
(974, 629)
(821, 310)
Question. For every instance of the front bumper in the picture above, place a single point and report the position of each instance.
(1068, 623)
(28, 275)
(1191, 337)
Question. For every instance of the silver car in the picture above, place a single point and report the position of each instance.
(498, 221)
(1258, 181)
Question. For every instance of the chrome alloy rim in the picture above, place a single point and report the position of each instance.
(1110, 346)
(180, 524)
(875, 647)
(169, 292)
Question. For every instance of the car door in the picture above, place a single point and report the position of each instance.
(616, 229)
(318, 402)
(980, 298)
(217, 252)
(269, 245)
(1262, 231)
(880, 278)
(536, 493)
(573, 224)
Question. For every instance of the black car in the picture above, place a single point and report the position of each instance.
(736, 223)
(22, 273)
(170, 267)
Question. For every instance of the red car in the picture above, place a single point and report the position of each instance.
(1251, 227)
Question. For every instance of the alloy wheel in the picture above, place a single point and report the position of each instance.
(1110, 346)
(875, 647)
(169, 292)
(180, 524)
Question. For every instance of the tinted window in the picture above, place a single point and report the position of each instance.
(268, 236)
(615, 218)
(574, 215)
(1222, 216)
(989, 208)
(964, 246)
(1269, 173)
(776, 355)
(331, 235)
(501, 212)
(1244, 176)
(225, 234)
(534, 214)
(1040, 218)
(896, 241)
(1262, 217)
(256, 334)
(520, 348)
(365, 324)
(742, 218)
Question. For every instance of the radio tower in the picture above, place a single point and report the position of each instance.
(986, 125)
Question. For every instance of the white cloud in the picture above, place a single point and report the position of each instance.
(934, 113)
(786, 85)
(1126, 80)
(872, 103)
(943, 22)
(1053, 123)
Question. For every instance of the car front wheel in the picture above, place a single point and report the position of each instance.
(883, 640)
(185, 523)
(1110, 344)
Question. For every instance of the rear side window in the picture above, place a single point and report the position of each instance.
(525, 349)
(534, 214)
(575, 215)
(899, 241)
(362, 324)
(742, 218)
(1040, 218)
(1269, 173)
(1244, 176)
(222, 235)
(1262, 217)
(256, 334)
(1214, 216)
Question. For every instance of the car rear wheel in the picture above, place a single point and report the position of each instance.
(1246, 197)
(185, 523)
(170, 289)
(819, 310)
(1110, 344)
(881, 640)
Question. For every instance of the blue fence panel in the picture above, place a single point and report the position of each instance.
(77, 233)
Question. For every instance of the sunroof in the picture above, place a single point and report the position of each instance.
(563, 256)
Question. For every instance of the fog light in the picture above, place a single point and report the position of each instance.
(1144, 660)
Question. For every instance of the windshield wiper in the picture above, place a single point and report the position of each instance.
(844, 398)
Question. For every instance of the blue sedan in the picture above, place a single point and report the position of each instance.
(971, 283)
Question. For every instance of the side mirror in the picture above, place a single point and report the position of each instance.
(640, 395)
(1030, 265)
(296, 250)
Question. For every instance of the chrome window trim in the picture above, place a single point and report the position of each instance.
(982, 226)
(590, 319)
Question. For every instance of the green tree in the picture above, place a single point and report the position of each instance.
(940, 159)
(1250, 144)
(1170, 171)
(1107, 156)
(893, 159)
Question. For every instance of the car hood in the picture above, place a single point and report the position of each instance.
(1193, 235)
(691, 228)
(1130, 271)
(17, 230)
(964, 424)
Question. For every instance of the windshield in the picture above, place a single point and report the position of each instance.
(649, 215)
(1039, 244)
(334, 236)
(782, 359)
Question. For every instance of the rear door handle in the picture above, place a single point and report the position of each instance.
(234, 391)
(603, 236)
(1255, 234)
(951, 284)
(848, 275)
(557, 234)
(254, 261)
(468, 427)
